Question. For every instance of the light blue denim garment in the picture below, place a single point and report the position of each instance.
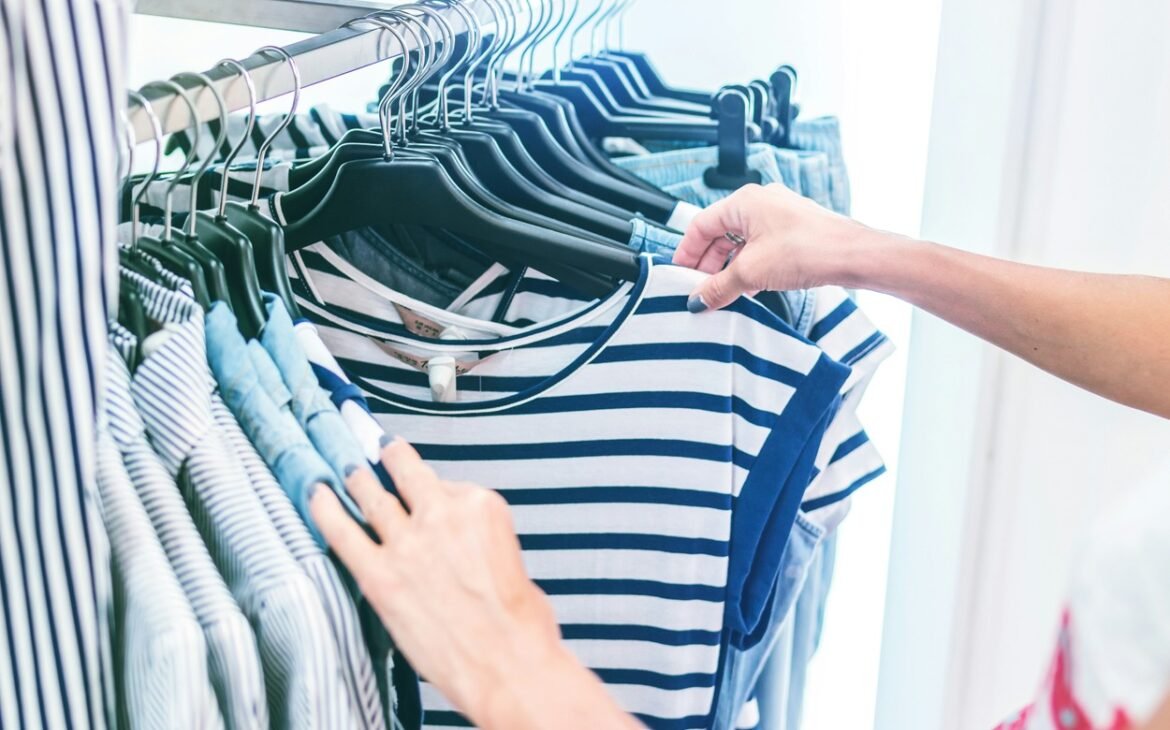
(823, 134)
(781, 686)
(430, 266)
(275, 434)
(665, 169)
(310, 404)
(652, 238)
(744, 667)
(814, 174)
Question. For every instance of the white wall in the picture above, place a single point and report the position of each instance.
(1049, 145)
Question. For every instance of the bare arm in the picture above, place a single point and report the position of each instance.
(1108, 334)
(448, 581)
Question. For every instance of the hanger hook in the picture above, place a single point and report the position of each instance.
(473, 39)
(481, 55)
(407, 23)
(500, 40)
(219, 140)
(531, 38)
(521, 37)
(622, 23)
(235, 151)
(192, 153)
(440, 53)
(157, 136)
(496, 66)
(395, 82)
(288, 119)
(577, 31)
(550, 27)
(602, 24)
(556, 50)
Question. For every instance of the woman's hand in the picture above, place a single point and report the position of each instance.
(449, 584)
(791, 243)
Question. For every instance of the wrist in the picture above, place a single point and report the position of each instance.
(873, 260)
(527, 690)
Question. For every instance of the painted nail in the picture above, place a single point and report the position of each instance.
(312, 491)
(386, 440)
(349, 470)
(696, 304)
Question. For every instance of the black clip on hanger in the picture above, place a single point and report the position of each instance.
(783, 84)
(732, 171)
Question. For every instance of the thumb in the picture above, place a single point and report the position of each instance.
(718, 291)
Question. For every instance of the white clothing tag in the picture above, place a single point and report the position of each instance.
(682, 216)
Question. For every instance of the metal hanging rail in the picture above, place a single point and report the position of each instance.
(306, 16)
(320, 58)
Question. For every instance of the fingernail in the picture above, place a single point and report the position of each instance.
(386, 440)
(312, 491)
(349, 470)
(696, 304)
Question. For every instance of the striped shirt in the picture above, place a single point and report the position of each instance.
(338, 604)
(233, 657)
(161, 656)
(172, 389)
(62, 81)
(690, 440)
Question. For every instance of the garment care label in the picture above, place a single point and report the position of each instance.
(419, 325)
(442, 370)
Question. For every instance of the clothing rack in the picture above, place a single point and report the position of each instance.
(305, 16)
(320, 58)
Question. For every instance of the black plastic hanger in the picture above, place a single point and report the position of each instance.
(264, 234)
(213, 231)
(416, 191)
(732, 173)
(172, 258)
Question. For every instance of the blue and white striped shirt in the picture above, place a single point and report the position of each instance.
(654, 460)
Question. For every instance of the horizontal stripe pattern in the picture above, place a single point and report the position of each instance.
(625, 465)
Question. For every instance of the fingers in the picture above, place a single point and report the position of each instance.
(344, 535)
(381, 509)
(716, 256)
(416, 482)
(707, 229)
(718, 291)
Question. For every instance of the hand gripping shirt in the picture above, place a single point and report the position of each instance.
(646, 454)
(173, 390)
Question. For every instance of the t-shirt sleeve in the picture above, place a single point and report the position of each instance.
(786, 391)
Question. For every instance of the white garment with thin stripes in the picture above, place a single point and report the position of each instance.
(161, 660)
(233, 657)
(172, 389)
(61, 81)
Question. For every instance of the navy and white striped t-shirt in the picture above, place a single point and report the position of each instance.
(654, 460)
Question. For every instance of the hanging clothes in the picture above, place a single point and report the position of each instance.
(62, 85)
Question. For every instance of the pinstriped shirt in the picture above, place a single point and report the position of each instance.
(172, 389)
(233, 657)
(62, 82)
(161, 656)
(339, 606)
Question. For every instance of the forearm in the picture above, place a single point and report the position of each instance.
(1109, 334)
(554, 692)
